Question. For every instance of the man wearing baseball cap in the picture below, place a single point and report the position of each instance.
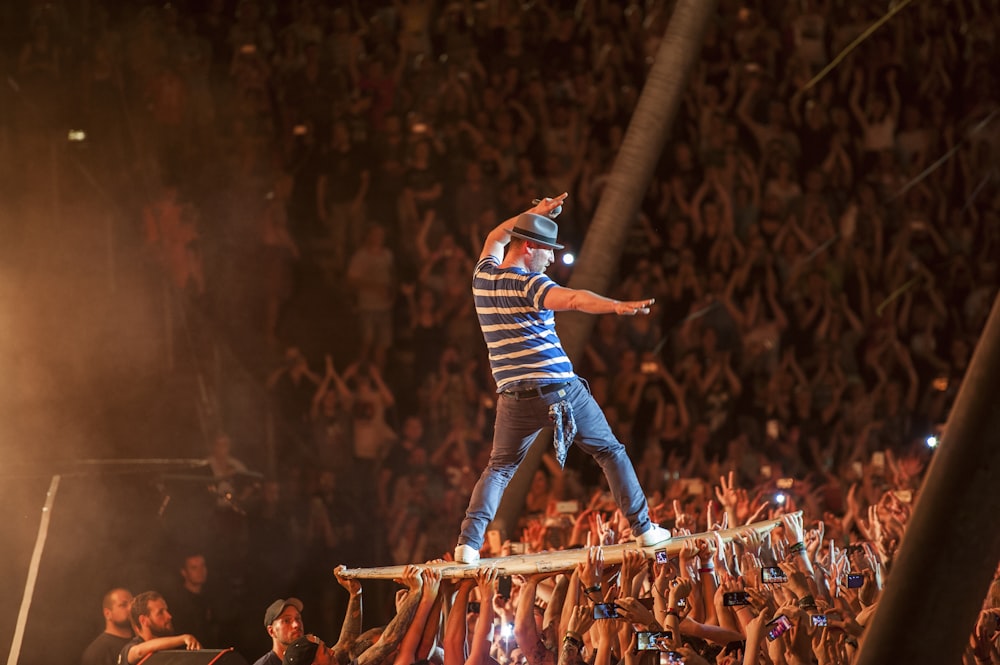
(283, 622)
(308, 650)
(516, 304)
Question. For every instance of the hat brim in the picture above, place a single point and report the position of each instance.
(546, 243)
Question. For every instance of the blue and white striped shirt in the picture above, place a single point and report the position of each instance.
(520, 334)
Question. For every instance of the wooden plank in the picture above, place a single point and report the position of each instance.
(555, 561)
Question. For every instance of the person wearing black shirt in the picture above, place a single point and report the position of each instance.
(117, 630)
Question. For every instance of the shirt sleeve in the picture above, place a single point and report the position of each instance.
(536, 288)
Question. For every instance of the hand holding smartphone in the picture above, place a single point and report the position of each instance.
(654, 640)
(778, 627)
(773, 575)
(606, 611)
(504, 586)
(735, 598)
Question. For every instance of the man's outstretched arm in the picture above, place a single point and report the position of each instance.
(562, 298)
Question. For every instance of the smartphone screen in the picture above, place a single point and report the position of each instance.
(773, 575)
(855, 580)
(660, 556)
(654, 641)
(819, 620)
(778, 627)
(735, 598)
(671, 658)
(504, 586)
(605, 611)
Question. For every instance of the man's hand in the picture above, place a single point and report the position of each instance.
(580, 620)
(353, 586)
(190, 642)
(411, 578)
(591, 571)
(635, 612)
(548, 207)
(633, 307)
(486, 579)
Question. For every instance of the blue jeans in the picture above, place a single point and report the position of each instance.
(518, 423)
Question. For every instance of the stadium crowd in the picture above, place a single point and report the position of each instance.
(821, 280)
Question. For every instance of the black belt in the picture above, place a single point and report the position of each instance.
(533, 393)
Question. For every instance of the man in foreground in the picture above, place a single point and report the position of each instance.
(154, 630)
(515, 303)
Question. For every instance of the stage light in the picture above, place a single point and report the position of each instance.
(568, 258)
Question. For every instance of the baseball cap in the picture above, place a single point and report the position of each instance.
(277, 607)
(302, 651)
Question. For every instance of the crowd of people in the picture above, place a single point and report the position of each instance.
(803, 592)
(820, 278)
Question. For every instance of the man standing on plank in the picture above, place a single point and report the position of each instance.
(516, 305)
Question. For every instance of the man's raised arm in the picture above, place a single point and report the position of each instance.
(499, 237)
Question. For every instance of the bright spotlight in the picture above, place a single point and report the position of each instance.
(568, 258)
(931, 441)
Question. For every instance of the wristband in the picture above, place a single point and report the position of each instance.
(707, 569)
(575, 641)
(798, 547)
(807, 602)
(673, 613)
(592, 589)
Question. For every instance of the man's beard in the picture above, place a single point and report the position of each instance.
(124, 625)
(292, 636)
(539, 265)
(162, 631)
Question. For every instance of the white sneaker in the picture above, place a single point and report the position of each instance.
(466, 554)
(656, 535)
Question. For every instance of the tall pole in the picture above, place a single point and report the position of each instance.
(952, 544)
(627, 185)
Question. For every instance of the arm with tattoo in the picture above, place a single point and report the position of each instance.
(414, 634)
(352, 618)
(379, 653)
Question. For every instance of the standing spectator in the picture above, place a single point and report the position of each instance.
(105, 648)
(293, 385)
(370, 401)
(278, 254)
(341, 192)
(371, 276)
(331, 420)
(194, 610)
(172, 236)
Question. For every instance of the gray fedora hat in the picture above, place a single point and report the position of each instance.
(537, 229)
